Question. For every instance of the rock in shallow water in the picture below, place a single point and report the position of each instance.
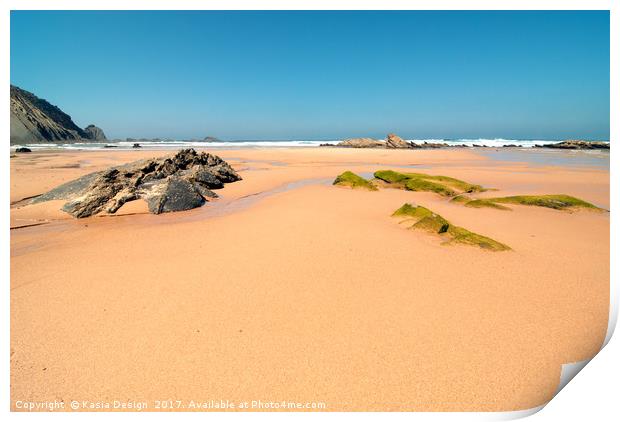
(174, 183)
(577, 144)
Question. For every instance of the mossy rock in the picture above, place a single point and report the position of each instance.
(425, 219)
(461, 199)
(408, 210)
(557, 202)
(485, 203)
(391, 176)
(464, 236)
(432, 223)
(451, 181)
(354, 181)
(423, 185)
(442, 185)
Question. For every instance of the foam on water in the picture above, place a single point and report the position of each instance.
(497, 142)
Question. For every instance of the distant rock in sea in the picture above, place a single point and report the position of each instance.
(395, 141)
(94, 133)
(211, 139)
(361, 143)
(23, 149)
(35, 120)
(577, 144)
(392, 141)
(173, 183)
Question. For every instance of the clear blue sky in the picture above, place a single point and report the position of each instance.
(320, 75)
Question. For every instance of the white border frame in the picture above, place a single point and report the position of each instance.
(591, 396)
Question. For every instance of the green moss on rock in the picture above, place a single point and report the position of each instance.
(391, 176)
(558, 202)
(434, 223)
(485, 203)
(417, 185)
(408, 210)
(461, 199)
(451, 181)
(354, 181)
(442, 185)
(464, 236)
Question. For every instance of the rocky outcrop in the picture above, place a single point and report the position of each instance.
(395, 141)
(426, 145)
(94, 133)
(577, 144)
(35, 120)
(173, 183)
(392, 141)
(23, 149)
(361, 143)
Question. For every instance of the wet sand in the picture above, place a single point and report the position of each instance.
(289, 288)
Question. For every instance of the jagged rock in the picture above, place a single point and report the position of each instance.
(173, 194)
(361, 143)
(395, 141)
(35, 120)
(206, 178)
(94, 133)
(172, 183)
(23, 149)
(433, 145)
(137, 145)
(577, 144)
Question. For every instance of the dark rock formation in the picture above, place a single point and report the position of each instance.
(35, 120)
(577, 144)
(430, 145)
(395, 141)
(172, 183)
(210, 139)
(23, 149)
(94, 133)
(175, 194)
(136, 145)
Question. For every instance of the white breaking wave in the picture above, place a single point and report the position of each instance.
(497, 142)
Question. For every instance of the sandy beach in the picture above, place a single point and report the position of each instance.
(290, 288)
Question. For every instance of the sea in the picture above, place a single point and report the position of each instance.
(169, 144)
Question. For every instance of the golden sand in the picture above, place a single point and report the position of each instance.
(291, 289)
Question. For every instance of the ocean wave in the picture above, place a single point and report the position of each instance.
(171, 144)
